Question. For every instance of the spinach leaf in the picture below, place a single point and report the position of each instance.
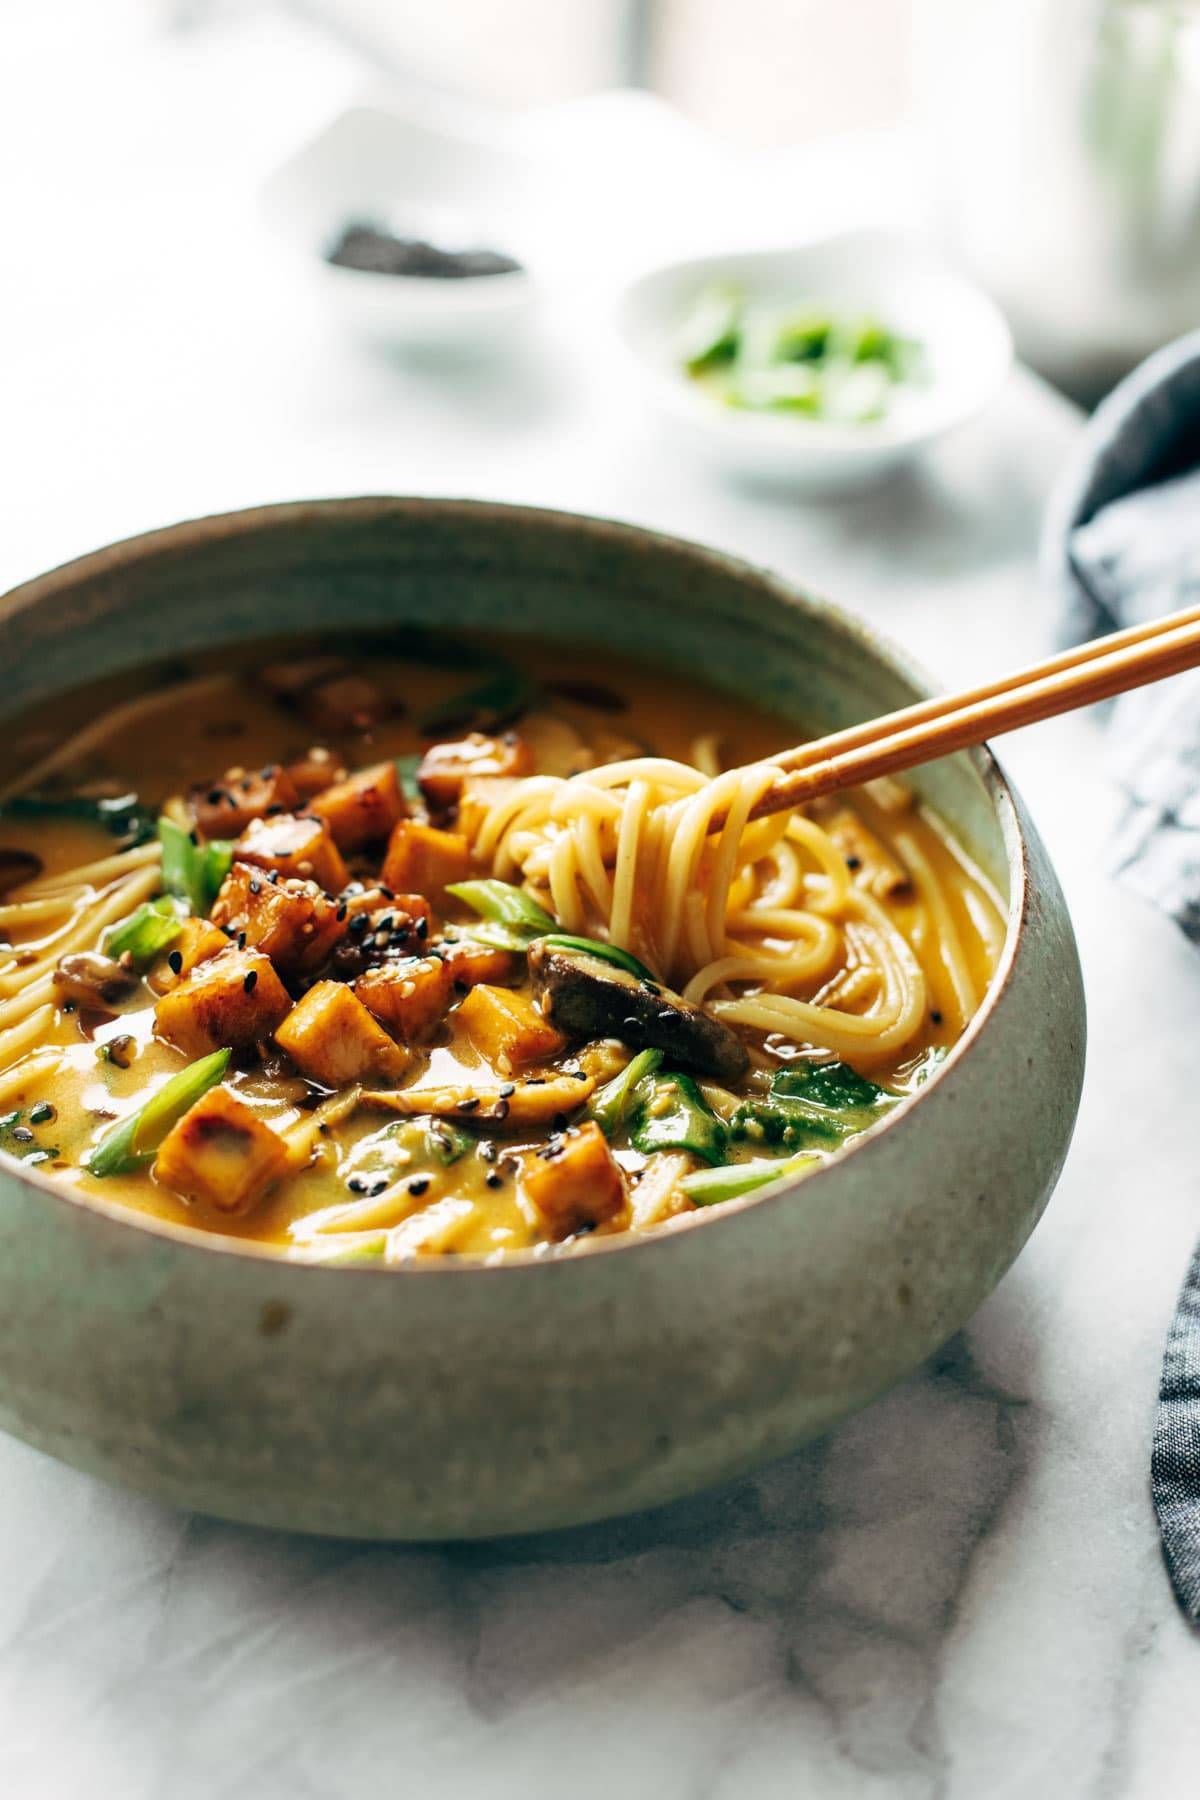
(668, 1112)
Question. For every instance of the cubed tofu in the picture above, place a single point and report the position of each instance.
(295, 844)
(574, 1182)
(481, 794)
(221, 1153)
(471, 962)
(233, 1001)
(224, 808)
(409, 996)
(423, 860)
(315, 771)
(198, 941)
(445, 767)
(340, 704)
(363, 808)
(507, 1029)
(333, 1039)
(293, 922)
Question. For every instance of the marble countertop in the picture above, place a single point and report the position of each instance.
(960, 1594)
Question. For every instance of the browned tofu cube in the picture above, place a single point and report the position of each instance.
(422, 860)
(574, 1183)
(363, 808)
(198, 941)
(221, 1153)
(408, 996)
(293, 922)
(445, 767)
(295, 844)
(315, 771)
(233, 1001)
(507, 1029)
(224, 808)
(470, 962)
(332, 1038)
(343, 703)
(480, 794)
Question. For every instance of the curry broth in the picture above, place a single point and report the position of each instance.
(204, 725)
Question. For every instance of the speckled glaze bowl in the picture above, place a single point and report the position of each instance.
(458, 1400)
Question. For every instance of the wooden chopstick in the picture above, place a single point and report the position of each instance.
(922, 733)
(821, 749)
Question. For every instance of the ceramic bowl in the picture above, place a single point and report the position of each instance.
(415, 178)
(455, 1399)
(967, 345)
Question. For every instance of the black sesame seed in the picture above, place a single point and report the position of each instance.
(418, 1184)
(194, 837)
(488, 1151)
(22, 1135)
(42, 1113)
(216, 796)
(577, 1074)
(255, 885)
(341, 913)
(356, 1185)
(175, 961)
(469, 1105)
(241, 940)
(500, 1110)
(378, 1188)
(854, 862)
(507, 1088)
(935, 1017)
(250, 982)
(493, 1179)
(632, 1025)
(461, 987)
(386, 923)
(422, 928)
(359, 924)
(273, 876)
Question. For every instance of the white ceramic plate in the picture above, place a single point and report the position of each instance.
(968, 350)
(417, 179)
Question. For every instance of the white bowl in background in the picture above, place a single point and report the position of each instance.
(968, 351)
(416, 179)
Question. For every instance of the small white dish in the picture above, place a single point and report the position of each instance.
(967, 355)
(415, 179)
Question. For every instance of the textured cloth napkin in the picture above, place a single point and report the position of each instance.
(1122, 545)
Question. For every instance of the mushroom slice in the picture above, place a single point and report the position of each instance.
(589, 998)
(513, 1106)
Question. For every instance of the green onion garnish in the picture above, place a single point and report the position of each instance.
(133, 1143)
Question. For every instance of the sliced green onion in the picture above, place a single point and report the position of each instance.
(511, 919)
(133, 1143)
(610, 1103)
(609, 953)
(149, 930)
(123, 816)
(669, 1112)
(708, 1187)
(712, 329)
(190, 870)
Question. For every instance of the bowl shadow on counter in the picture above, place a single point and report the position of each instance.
(828, 1581)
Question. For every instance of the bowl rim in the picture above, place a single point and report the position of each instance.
(247, 522)
(767, 431)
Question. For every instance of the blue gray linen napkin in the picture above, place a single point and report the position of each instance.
(1122, 545)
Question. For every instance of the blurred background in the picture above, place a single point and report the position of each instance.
(1054, 144)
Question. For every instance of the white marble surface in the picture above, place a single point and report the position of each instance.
(960, 1594)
